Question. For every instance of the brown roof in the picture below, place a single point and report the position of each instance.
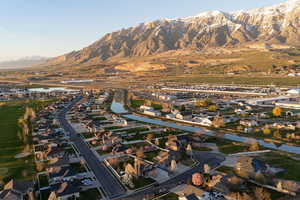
(185, 190)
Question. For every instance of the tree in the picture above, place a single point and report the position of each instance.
(218, 122)
(206, 168)
(239, 196)
(203, 102)
(262, 194)
(189, 148)
(279, 185)
(214, 181)
(148, 102)
(182, 108)
(40, 166)
(212, 108)
(277, 134)
(260, 178)
(197, 179)
(150, 137)
(140, 153)
(157, 142)
(173, 165)
(267, 131)
(277, 111)
(254, 145)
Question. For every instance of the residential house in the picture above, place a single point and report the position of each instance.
(188, 192)
(263, 115)
(53, 151)
(290, 126)
(240, 111)
(16, 190)
(121, 122)
(57, 174)
(65, 191)
(170, 116)
(248, 130)
(152, 113)
(162, 157)
(142, 107)
(230, 119)
(293, 113)
(204, 121)
(248, 122)
(278, 125)
(186, 115)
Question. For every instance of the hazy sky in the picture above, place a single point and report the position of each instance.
(54, 27)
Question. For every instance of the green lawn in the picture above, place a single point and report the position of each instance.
(201, 149)
(226, 170)
(137, 103)
(99, 118)
(45, 194)
(170, 196)
(226, 146)
(281, 160)
(78, 167)
(142, 182)
(100, 152)
(88, 135)
(233, 148)
(11, 144)
(91, 194)
(151, 155)
(112, 128)
(43, 179)
(156, 106)
(241, 80)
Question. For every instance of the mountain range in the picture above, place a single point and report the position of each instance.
(268, 27)
(22, 62)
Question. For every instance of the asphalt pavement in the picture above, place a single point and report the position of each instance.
(212, 159)
(108, 182)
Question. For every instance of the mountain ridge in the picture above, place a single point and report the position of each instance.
(272, 25)
(23, 62)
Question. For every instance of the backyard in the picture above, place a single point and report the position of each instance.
(283, 160)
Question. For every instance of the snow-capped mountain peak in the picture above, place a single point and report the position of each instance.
(278, 25)
(272, 10)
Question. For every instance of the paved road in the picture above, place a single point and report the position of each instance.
(109, 183)
(212, 159)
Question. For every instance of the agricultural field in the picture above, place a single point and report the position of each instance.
(11, 142)
(237, 79)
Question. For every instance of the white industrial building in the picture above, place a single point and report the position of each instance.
(291, 105)
(294, 92)
(269, 101)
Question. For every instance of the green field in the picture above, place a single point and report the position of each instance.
(11, 144)
(285, 161)
(228, 147)
(137, 103)
(242, 80)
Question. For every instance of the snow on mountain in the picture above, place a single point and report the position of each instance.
(277, 24)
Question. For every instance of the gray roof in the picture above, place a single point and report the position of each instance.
(192, 197)
(19, 186)
(66, 188)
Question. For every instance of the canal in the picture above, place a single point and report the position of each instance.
(118, 108)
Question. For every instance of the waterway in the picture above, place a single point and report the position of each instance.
(118, 108)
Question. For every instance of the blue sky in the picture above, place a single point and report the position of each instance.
(55, 27)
